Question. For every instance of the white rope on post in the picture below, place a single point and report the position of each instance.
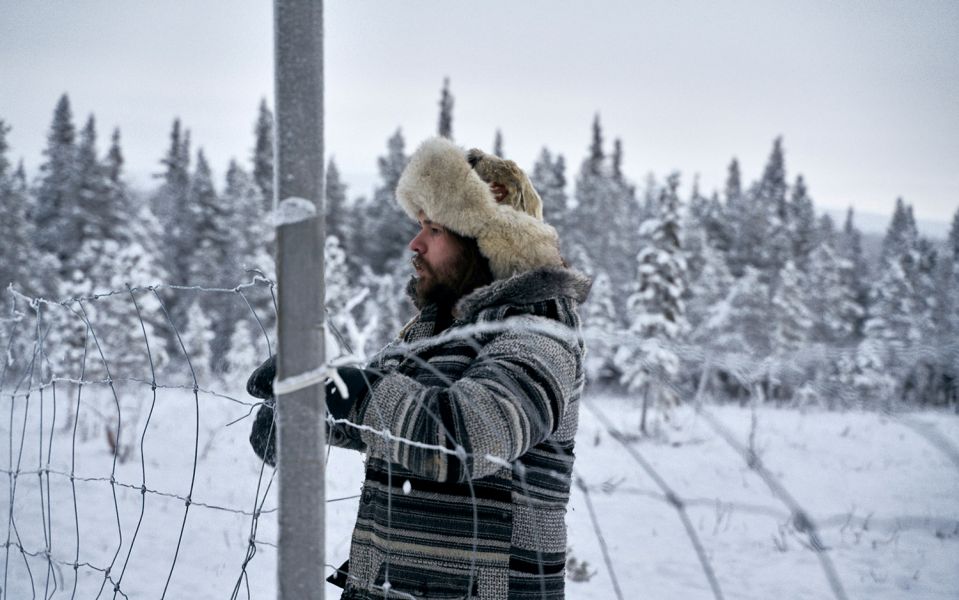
(298, 199)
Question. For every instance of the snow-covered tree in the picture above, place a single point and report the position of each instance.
(263, 155)
(242, 356)
(744, 227)
(343, 299)
(865, 377)
(850, 249)
(709, 285)
(803, 228)
(739, 323)
(18, 260)
(831, 297)
(56, 194)
(170, 205)
(210, 248)
(770, 198)
(197, 337)
(600, 324)
(792, 321)
(337, 211)
(656, 311)
(606, 217)
(250, 234)
(386, 229)
(549, 179)
(891, 317)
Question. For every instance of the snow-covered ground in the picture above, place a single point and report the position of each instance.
(883, 492)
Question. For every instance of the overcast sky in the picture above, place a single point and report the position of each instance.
(865, 93)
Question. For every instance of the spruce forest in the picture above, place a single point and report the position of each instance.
(775, 297)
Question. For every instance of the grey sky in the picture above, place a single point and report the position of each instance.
(866, 94)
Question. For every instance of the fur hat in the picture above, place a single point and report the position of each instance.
(440, 182)
(520, 193)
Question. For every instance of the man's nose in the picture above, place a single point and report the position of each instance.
(416, 244)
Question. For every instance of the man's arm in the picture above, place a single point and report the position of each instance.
(263, 432)
(512, 397)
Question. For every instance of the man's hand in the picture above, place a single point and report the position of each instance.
(499, 191)
(260, 385)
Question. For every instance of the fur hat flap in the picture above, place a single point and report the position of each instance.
(440, 182)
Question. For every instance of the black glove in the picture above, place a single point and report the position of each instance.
(260, 385)
(358, 383)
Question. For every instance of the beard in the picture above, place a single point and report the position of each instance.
(435, 286)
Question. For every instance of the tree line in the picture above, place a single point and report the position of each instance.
(777, 298)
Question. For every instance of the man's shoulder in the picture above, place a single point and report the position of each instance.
(546, 292)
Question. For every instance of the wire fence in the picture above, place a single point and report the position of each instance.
(129, 474)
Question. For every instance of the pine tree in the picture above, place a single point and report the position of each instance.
(865, 376)
(606, 217)
(337, 211)
(802, 224)
(901, 234)
(93, 214)
(832, 298)
(617, 160)
(792, 320)
(197, 338)
(952, 277)
(251, 235)
(445, 128)
(211, 260)
(55, 196)
(709, 283)
(388, 229)
(209, 245)
(892, 308)
(18, 260)
(251, 230)
(242, 357)
(771, 253)
(549, 179)
(656, 311)
(850, 249)
(734, 187)
(739, 323)
(263, 155)
(346, 336)
(906, 267)
(170, 205)
(498, 145)
(742, 225)
(825, 232)
(719, 233)
(600, 323)
(949, 322)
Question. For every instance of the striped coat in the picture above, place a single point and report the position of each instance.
(470, 503)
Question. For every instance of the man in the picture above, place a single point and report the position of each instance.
(468, 417)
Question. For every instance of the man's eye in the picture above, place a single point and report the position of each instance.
(436, 230)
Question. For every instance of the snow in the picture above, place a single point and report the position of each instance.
(881, 489)
(293, 210)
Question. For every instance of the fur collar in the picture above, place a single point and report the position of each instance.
(525, 288)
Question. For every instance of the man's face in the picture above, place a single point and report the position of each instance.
(437, 260)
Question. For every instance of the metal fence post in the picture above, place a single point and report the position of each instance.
(298, 44)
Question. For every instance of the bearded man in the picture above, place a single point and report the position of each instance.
(468, 417)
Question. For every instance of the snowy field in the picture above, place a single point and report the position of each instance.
(883, 492)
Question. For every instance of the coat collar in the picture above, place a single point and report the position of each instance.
(525, 288)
